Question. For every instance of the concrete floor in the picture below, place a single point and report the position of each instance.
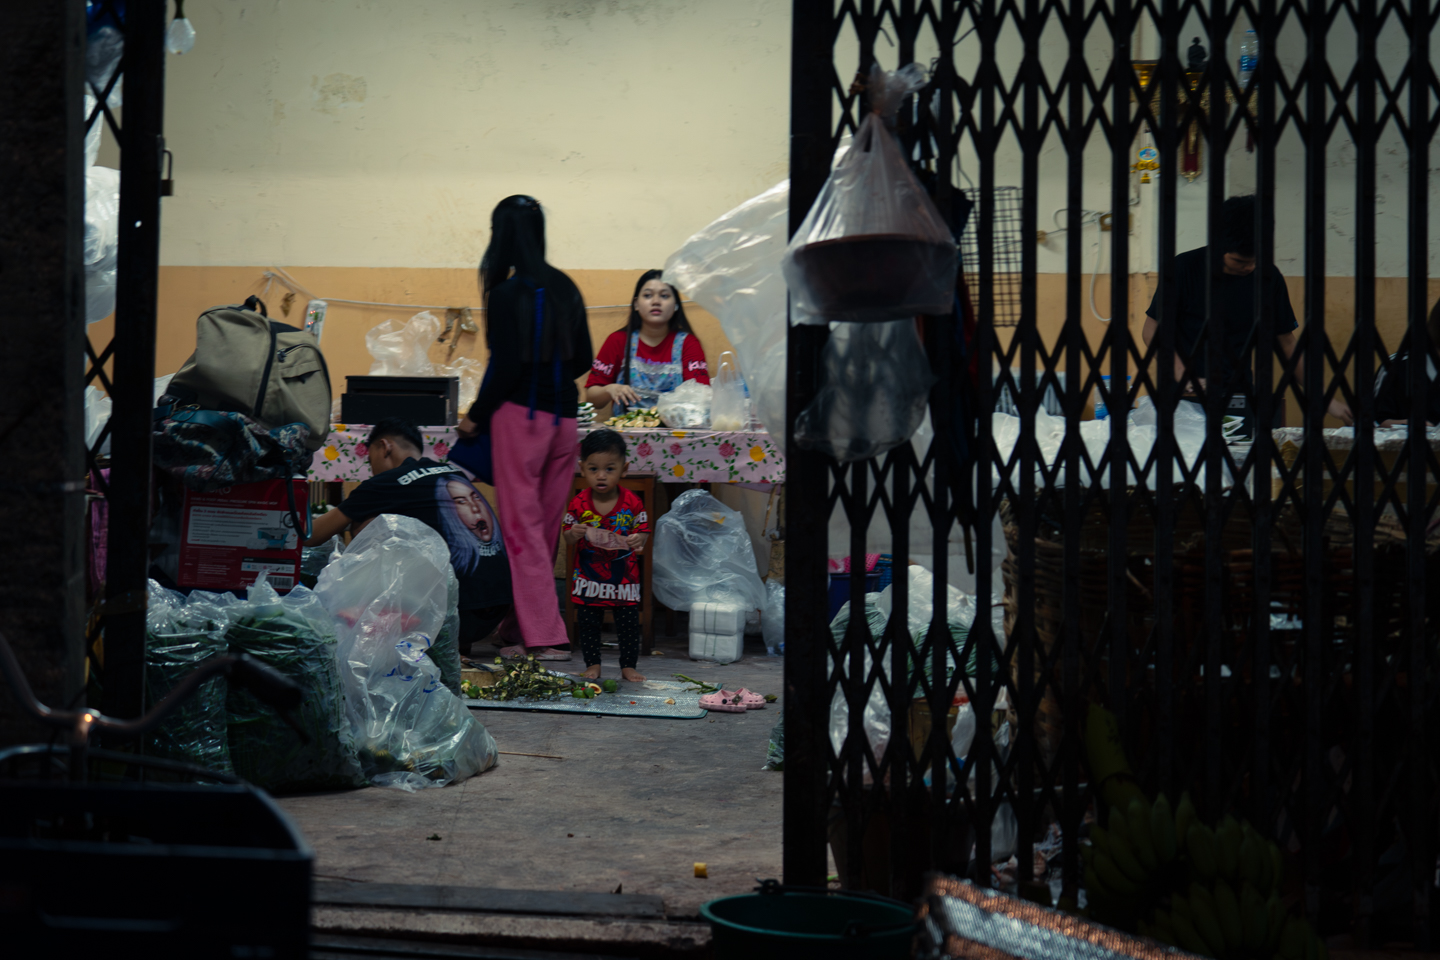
(634, 802)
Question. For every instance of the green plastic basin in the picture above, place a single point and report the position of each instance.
(836, 926)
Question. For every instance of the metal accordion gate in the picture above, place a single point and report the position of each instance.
(1259, 617)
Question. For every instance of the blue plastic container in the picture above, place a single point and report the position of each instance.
(840, 589)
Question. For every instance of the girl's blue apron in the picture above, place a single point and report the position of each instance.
(650, 378)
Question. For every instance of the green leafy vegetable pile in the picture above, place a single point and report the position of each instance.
(296, 638)
(181, 635)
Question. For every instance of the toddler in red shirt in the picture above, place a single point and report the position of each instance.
(610, 527)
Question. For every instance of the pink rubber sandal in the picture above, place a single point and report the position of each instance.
(720, 700)
(747, 699)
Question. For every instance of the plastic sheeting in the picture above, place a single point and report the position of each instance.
(732, 269)
(389, 592)
(1142, 430)
(703, 555)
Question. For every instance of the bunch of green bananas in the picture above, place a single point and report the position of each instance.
(1213, 892)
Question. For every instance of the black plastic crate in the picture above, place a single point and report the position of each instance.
(425, 401)
(150, 870)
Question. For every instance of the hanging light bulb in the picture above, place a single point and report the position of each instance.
(181, 37)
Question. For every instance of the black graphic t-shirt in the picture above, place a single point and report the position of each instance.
(442, 498)
(1233, 305)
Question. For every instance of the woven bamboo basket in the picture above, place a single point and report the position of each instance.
(1237, 585)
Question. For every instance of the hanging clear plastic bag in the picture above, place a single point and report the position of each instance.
(688, 405)
(703, 555)
(875, 383)
(727, 398)
(732, 268)
(402, 349)
(873, 247)
(296, 636)
(390, 595)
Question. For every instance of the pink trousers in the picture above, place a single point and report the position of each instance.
(534, 468)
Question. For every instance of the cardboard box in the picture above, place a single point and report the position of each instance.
(229, 536)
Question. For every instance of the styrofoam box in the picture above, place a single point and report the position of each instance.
(720, 647)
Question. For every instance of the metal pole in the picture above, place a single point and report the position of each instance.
(133, 397)
(42, 458)
(806, 804)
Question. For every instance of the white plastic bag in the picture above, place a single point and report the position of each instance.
(389, 592)
(875, 384)
(732, 268)
(873, 247)
(772, 623)
(703, 555)
(403, 349)
(688, 405)
(876, 717)
(727, 398)
(102, 241)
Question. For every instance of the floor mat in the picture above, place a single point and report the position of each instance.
(646, 699)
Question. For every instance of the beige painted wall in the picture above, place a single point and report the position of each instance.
(381, 133)
(186, 292)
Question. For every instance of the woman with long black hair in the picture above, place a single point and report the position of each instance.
(539, 344)
(652, 354)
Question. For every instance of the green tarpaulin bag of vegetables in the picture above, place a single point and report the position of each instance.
(181, 633)
(296, 636)
(390, 595)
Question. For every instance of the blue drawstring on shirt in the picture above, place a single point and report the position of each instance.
(535, 354)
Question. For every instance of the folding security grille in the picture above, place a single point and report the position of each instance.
(130, 355)
(1261, 618)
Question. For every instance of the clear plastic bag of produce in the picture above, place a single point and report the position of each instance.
(445, 651)
(876, 718)
(181, 633)
(772, 623)
(775, 752)
(873, 247)
(402, 349)
(732, 268)
(390, 594)
(703, 555)
(728, 409)
(296, 636)
(874, 385)
(688, 405)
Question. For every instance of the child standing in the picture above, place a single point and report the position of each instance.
(609, 524)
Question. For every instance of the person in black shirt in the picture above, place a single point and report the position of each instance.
(1233, 290)
(539, 343)
(443, 498)
(1392, 386)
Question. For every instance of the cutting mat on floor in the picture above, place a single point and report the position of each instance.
(633, 700)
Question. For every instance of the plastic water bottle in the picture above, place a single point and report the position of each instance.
(1101, 410)
(1249, 57)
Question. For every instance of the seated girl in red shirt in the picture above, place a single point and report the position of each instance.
(652, 354)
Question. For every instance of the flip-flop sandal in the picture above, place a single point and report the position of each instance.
(747, 699)
(720, 701)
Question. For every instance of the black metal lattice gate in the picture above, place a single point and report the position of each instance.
(1259, 617)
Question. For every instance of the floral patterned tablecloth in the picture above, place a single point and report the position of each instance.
(678, 456)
